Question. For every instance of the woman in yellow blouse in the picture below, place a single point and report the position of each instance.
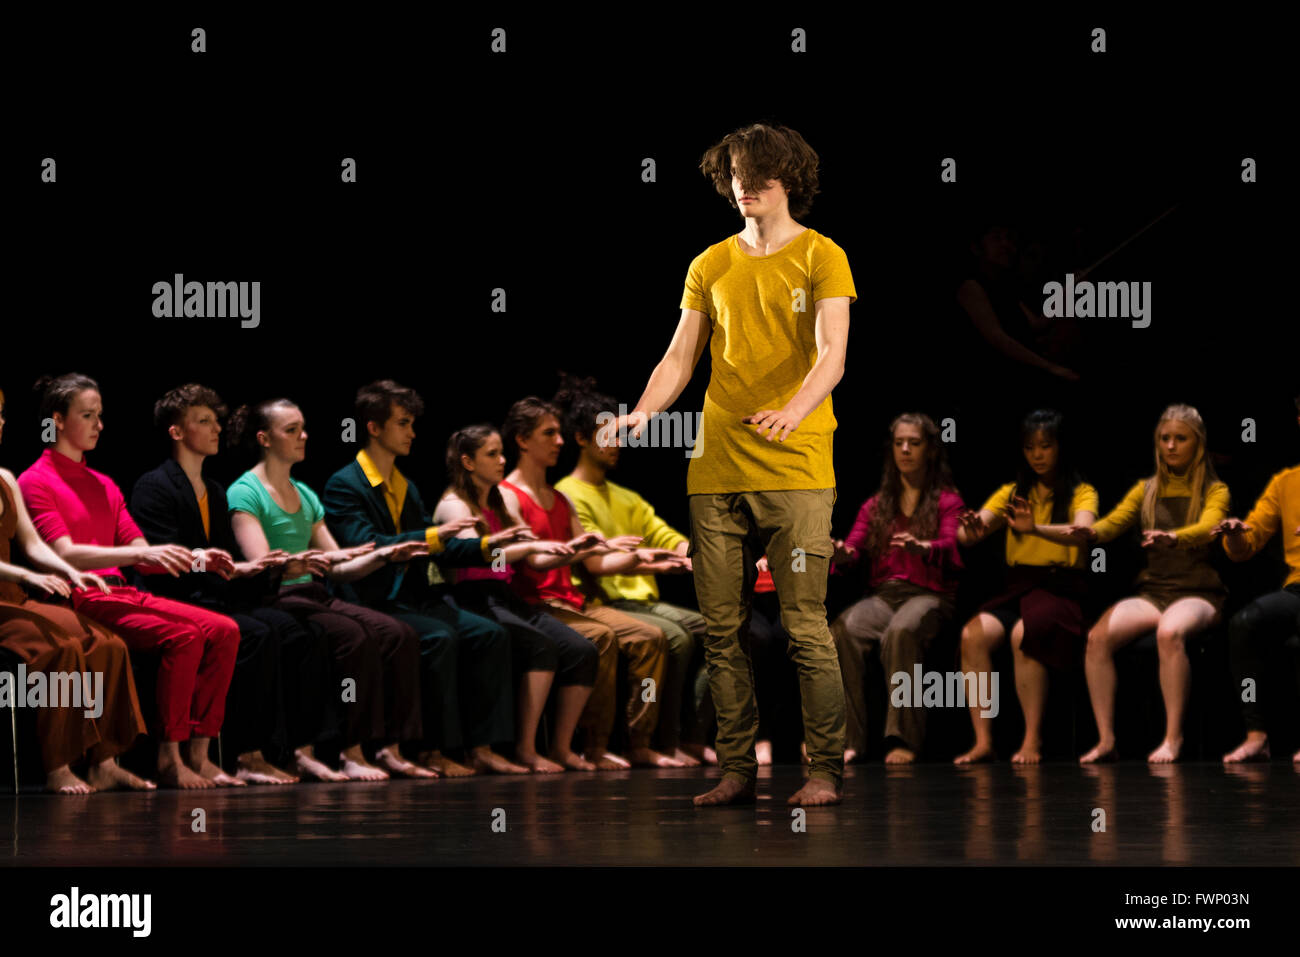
(1179, 592)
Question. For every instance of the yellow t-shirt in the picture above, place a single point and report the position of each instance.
(1032, 550)
(1277, 509)
(762, 311)
(1129, 511)
(614, 510)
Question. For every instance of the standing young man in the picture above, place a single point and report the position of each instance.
(776, 299)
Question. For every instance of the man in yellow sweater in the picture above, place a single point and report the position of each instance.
(774, 299)
(615, 511)
(1270, 619)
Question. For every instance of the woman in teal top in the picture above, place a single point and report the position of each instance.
(271, 511)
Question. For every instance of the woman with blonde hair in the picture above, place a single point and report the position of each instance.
(1179, 592)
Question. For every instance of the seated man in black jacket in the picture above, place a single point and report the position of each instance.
(465, 659)
(280, 697)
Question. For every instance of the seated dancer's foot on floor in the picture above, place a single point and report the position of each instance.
(850, 755)
(1031, 752)
(445, 766)
(898, 755)
(353, 763)
(487, 761)
(763, 752)
(63, 781)
(311, 768)
(202, 765)
(686, 759)
(537, 764)
(572, 761)
(649, 758)
(253, 768)
(173, 773)
(111, 776)
(606, 760)
(1254, 748)
(815, 791)
(1167, 752)
(1104, 751)
(976, 755)
(390, 759)
(730, 790)
(702, 753)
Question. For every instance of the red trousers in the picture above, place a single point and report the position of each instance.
(198, 650)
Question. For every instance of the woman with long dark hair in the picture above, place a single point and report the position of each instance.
(1041, 605)
(907, 532)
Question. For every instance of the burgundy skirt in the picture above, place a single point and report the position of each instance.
(1049, 600)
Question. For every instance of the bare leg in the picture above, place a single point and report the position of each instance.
(532, 699)
(1184, 617)
(1120, 624)
(1031, 687)
(981, 637)
(572, 700)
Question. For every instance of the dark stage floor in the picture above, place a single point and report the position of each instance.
(1196, 814)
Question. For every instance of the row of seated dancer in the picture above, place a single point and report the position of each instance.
(355, 635)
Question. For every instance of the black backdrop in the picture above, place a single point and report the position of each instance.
(523, 171)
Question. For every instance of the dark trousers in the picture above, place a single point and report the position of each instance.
(1260, 627)
(538, 641)
(280, 696)
(464, 674)
(376, 658)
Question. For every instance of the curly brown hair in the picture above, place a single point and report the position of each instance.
(924, 523)
(171, 408)
(762, 152)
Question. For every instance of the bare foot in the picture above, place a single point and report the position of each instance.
(63, 781)
(686, 760)
(111, 776)
(177, 775)
(1030, 753)
(255, 769)
(1104, 751)
(898, 756)
(537, 764)
(849, 755)
(976, 755)
(488, 761)
(607, 760)
(730, 790)
(763, 751)
(815, 791)
(310, 768)
(354, 765)
(445, 766)
(704, 754)
(647, 758)
(572, 761)
(391, 760)
(1167, 752)
(220, 778)
(1254, 748)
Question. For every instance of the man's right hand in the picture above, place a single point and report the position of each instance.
(632, 424)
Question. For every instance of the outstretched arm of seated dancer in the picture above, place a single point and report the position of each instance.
(1215, 510)
(942, 549)
(1121, 518)
(175, 560)
(37, 551)
(1242, 539)
(349, 564)
(1020, 517)
(975, 301)
(669, 377)
(832, 336)
(974, 526)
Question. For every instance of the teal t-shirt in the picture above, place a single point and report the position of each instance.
(284, 530)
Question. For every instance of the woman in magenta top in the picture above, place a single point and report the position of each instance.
(82, 515)
(907, 532)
